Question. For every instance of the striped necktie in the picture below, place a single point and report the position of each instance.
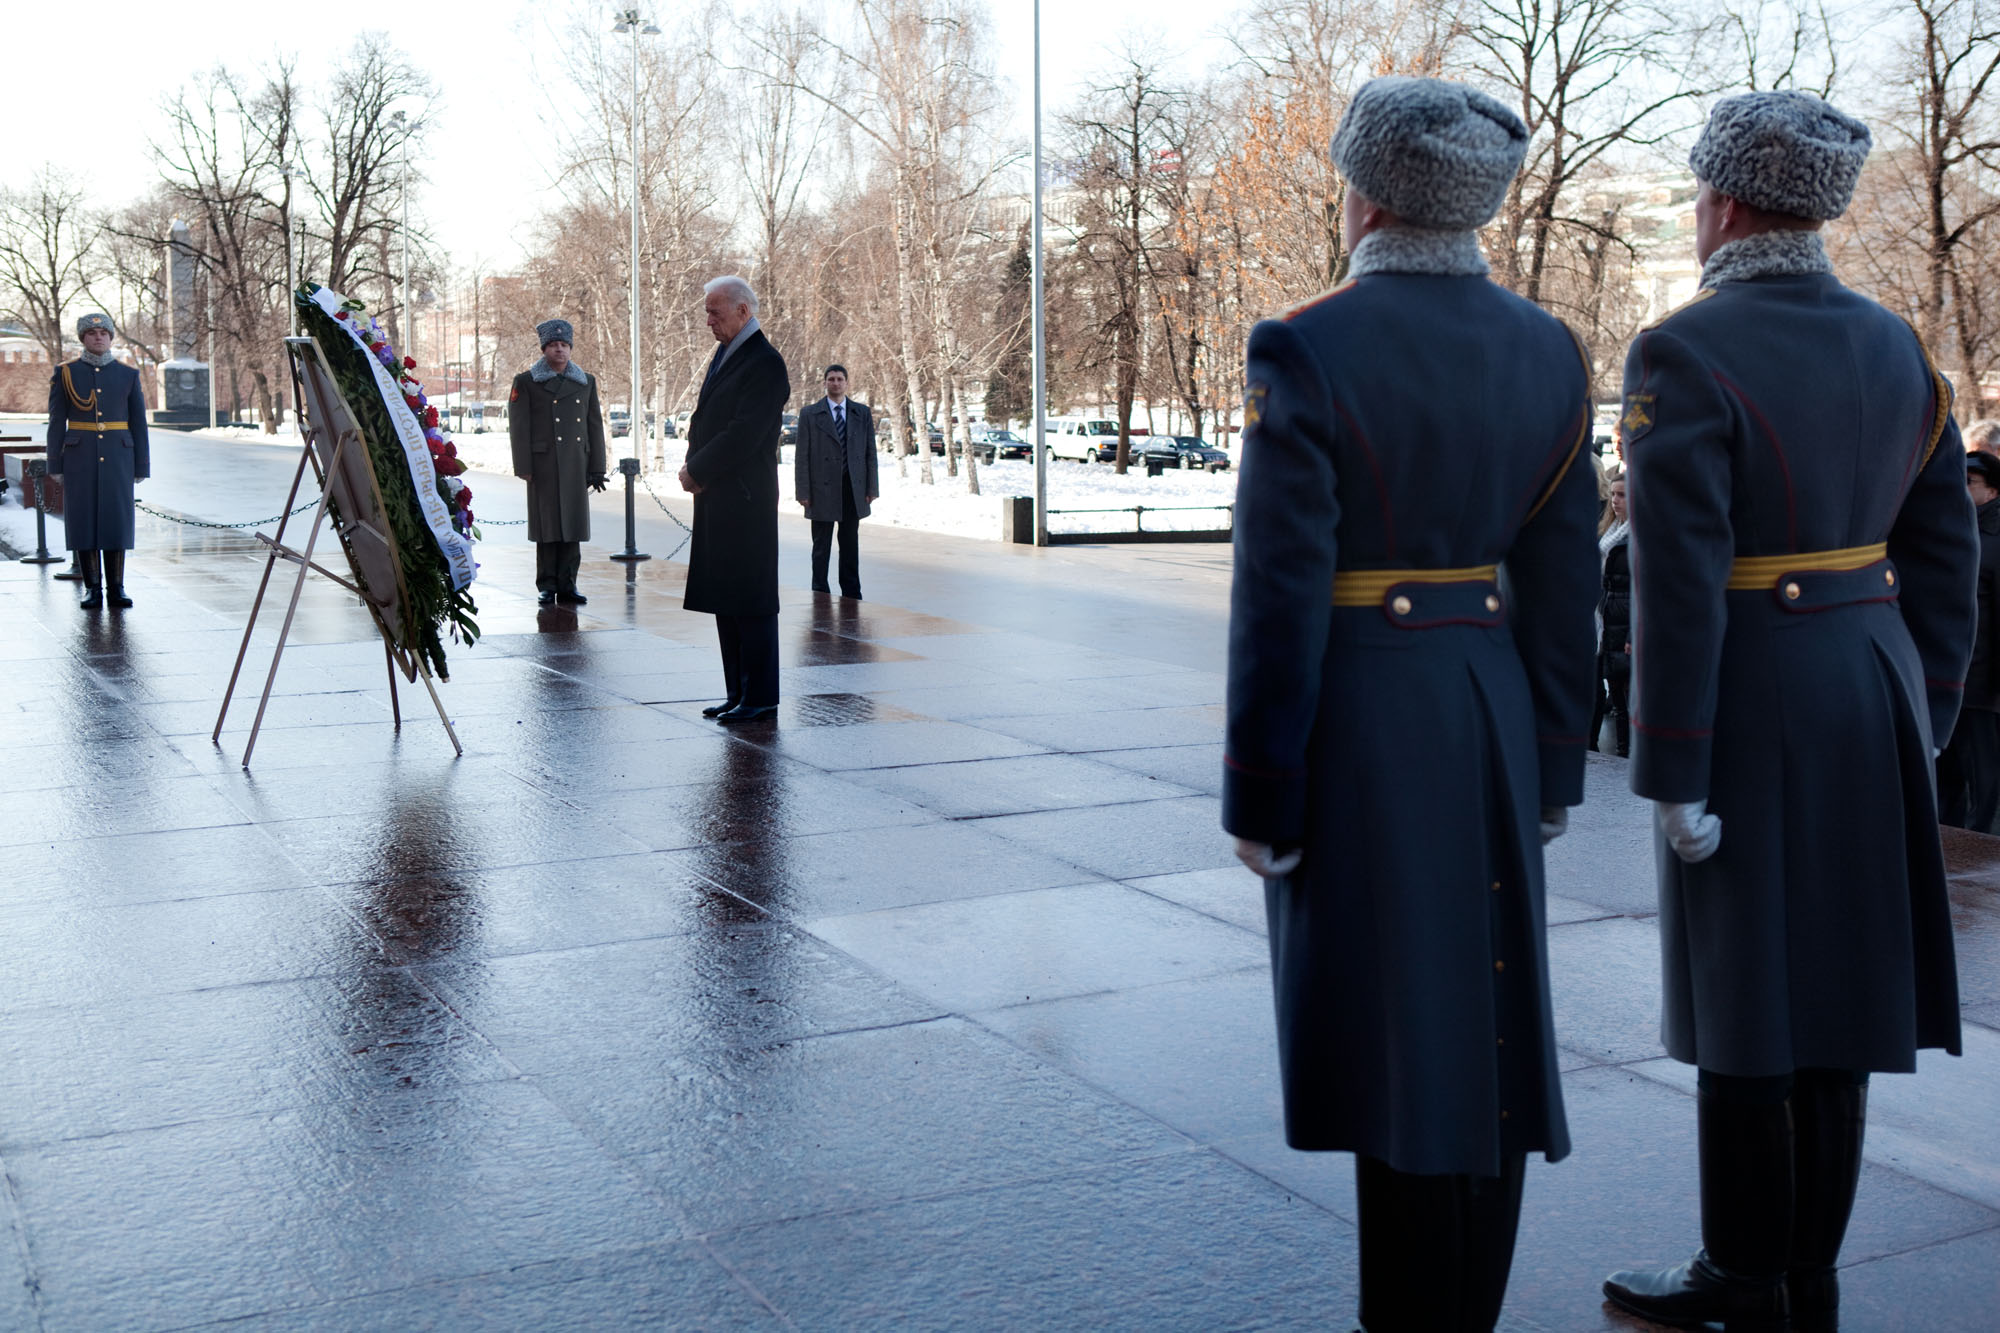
(840, 426)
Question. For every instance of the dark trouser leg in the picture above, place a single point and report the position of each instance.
(728, 631)
(1621, 717)
(822, 550)
(548, 566)
(1954, 796)
(93, 579)
(1829, 1120)
(850, 545)
(568, 560)
(1435, 1250)
(1980, 731)
(114, 578)
(1737, 1278)
(757, 646)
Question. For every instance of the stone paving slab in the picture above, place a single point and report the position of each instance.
(939, 1003)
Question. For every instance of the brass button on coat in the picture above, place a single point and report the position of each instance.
(1499, 966)
(1792, 591)
(1401, 606)
(1889, 577)
(1492, 602)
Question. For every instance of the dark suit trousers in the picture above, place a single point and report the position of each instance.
(849, 524)
(749, 658)
(1968, 772)
(556, 564)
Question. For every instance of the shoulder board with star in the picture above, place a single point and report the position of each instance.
(1323, 297)
(1691, 302)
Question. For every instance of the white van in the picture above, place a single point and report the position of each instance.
(1078, 438)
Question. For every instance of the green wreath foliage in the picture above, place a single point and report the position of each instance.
(431, 604)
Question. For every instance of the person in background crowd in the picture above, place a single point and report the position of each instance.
(1614, 614)
(834, 479)
(557, 430)
(1398, 753)
(1803, 564)
(733, 554)
(97, 444)
(1983, 437)
(1968, 771)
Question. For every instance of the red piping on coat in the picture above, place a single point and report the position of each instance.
(1791, 502)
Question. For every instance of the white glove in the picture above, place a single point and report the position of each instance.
(1691, 831)
(1555, 822)
(1257, 856)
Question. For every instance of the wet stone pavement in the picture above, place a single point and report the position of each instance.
(939, 1003)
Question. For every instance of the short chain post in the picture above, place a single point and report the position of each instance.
(38, 477)
(629, 469)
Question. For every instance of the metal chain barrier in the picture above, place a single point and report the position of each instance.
(172, 517)
(647, 482)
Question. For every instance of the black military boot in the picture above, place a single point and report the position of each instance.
(1737, 1279)
(93, 580)
(114, 578)
(1829, 1120)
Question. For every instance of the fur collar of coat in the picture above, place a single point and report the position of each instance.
(1450, 254)
(1769, 254)
(543, 372)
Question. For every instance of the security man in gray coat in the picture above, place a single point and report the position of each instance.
(556, 428)
(1803, 557)
(97, 444)
(1406, 723)
(834, 478)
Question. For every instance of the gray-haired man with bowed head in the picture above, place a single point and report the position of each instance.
(1405, 731)
(97, 444)
(1803, 562)
(556, 427)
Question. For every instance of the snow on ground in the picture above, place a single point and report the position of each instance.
(17, 526)
(945, 507)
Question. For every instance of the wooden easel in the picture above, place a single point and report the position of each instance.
(331, 442)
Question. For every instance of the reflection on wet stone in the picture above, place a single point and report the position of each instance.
(373, 1038)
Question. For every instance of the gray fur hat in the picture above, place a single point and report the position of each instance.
(1787, 152)
(95, 321)
(554, 330)
(1435, 154)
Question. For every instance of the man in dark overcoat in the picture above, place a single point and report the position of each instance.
(1803, 562)
(97, 444)
(1406, 721)
(1968, 771)
(834, 478)
(556, 427)
(733, 554)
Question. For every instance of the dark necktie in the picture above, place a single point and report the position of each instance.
(714, 363)
(840, 429)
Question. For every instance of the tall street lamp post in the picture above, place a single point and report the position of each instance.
(405, 318)
(292, 258)
(1041, 351)
(630, 21)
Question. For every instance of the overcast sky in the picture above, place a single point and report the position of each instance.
(484, 171)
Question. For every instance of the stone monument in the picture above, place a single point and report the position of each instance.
(183, 380)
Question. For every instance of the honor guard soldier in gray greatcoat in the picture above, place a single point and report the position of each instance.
(557, 431)
(1803, 559)
(1406, 721)
(97, 444)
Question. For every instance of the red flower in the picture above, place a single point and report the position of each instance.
(450, 450)
(340, 314)
(410, 362)
(430, 416)
(465, 497)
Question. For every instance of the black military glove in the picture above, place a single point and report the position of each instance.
(598, 481)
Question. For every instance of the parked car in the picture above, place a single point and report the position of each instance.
(992, 444)
(1079, 438)
(1182, 451)
(788, 433)
(937, 437)
(621, 421)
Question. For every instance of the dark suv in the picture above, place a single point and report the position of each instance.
(1186, 451)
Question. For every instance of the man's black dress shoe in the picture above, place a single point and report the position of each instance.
(546, 598)
(717, 710)
(748, 713)
(573, 597)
